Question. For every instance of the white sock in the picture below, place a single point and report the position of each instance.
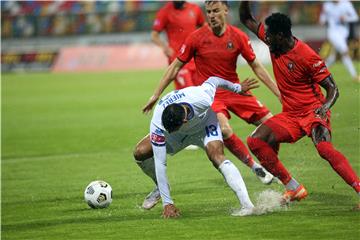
(236, 183)
(331, 59)
(292, 185)
(349, 65)
(148, 167)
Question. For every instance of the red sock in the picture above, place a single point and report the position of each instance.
(268, 158)
(339, 163)
(238, 148)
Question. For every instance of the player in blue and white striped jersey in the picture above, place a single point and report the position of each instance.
(185, 117)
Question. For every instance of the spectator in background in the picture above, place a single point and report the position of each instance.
(178, 19)
(336, 15)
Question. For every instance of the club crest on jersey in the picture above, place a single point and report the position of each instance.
(230, 45)
(291, 66)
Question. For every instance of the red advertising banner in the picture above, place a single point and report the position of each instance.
(110, 58)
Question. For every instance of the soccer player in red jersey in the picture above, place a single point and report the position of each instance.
(215, 48)
(300, 73)
(178, 19)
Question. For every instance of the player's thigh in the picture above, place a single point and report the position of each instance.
(183, 79)
(282, 128)
(248, 108)
(143, 149)
(338, 41)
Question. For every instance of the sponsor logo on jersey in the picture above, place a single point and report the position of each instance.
(182, 49)
(317, 64)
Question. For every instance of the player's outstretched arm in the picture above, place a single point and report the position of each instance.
(247, 18)
(332, 93)
(212, 83)
(265, 77)
(170, 74)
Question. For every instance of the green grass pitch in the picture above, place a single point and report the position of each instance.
(61, 131)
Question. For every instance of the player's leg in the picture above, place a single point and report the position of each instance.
(263, 143)
(238, 148)
(214, 148)
(231, 174)
(183, 79)
(143, 156)
(338, 40)
(322, 140)
(252, 111)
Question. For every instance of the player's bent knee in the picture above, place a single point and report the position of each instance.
(141, 153)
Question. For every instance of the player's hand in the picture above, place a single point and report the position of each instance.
(150, 104)
(169, 52)
(170, 211)
(321, 111)
(248, 84)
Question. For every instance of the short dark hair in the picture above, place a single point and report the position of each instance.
(279, 23)
(172, 117)
(214, 1)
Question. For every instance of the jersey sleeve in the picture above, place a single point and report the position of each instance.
(246, 50)
(158, 144)
(316, 67)
(160, 21)
(187, 50)
(212, 83)
(261, 32)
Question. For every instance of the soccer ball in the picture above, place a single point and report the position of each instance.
(98, 194)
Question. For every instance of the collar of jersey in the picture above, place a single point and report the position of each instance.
(191, 113)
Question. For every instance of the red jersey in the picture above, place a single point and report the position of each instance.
(216, 56)
(297, 74)
(178, 23)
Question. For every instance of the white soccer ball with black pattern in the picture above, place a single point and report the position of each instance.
(98, 194)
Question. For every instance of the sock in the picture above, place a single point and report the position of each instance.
(269, 159)
(148, 167)
(236, 183)
(339, 163)
(331, 59)
(349, 65)
(292, 184)
(238, 148)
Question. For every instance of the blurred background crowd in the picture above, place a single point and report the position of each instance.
(35, 33)
(63, 18)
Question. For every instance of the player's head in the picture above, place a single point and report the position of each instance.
(178, 4)
(216, 13)
(173, 117)
(278, 30)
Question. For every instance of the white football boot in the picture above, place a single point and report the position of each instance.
(243, 212)
(192, 147)
(151, 199)
(264, 176)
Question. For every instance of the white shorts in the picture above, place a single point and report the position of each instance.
(338, 40)
(208, 132)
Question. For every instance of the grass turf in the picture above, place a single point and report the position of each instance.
(61, 131)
